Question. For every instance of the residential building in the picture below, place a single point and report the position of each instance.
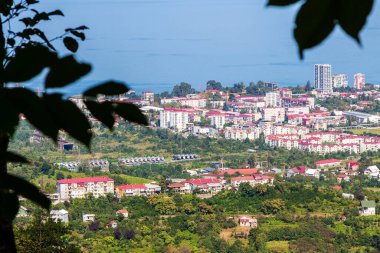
(340, 81)
(148, 96)
(123, 212)
(180, 187)
(218, 119)
(88, 217)
(329, 163)
(137, 190)
(359, 81)
(59, 215)
(103, 165)
(174, 118)
(81, 187)
(368, 207)
(323, 78)
(205, 184)
(272, 99)
(274, 114)
(252, 180)
(247, 221)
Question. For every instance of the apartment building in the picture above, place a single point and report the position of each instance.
(81, 187)
(174, 118)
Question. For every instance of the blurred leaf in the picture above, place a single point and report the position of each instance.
(14, 158)
(5, 7)
(9, 204)
(8, 114)
(22, 187)
(31, 60)
(68, 117)
(131, 112)
(30, 2)
(102, 111)
(29, 104)
(281, 2)
(71, 44)
(110, 88)
(314, 22)
(11, 42)
(353, 15)
(42, 35)
(82, 27)
(65, 71)
(56, 12)
(80, 35)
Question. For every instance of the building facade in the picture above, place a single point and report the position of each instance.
(323, 78)
(81, 187)
(359, 81)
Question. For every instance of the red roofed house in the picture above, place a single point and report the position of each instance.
(180, 187)
(330, 163)
(205, 184)
(248, 221)
(123, 212)
(137, 190)
(231, 172)
(342, 177)
(81, 187)
(252, 180)
(352, 165)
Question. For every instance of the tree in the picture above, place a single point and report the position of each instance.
(25, 54)
(273, 206)
(308, 86)
(182, 89)
(214, 85)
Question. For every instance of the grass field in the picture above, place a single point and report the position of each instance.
(366, 130)
(278, 246)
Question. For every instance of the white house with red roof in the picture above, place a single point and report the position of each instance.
(247, 221)
(329, 163)
(137, 190)
(81, 187)
(123, 212)
(180, 187)
(205, 184)
(252, 180)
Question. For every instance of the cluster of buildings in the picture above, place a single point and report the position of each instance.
(102, 165)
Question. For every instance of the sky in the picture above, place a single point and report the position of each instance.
(154, 44)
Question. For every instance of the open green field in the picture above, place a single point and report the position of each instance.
(278, 246)
(366, 130)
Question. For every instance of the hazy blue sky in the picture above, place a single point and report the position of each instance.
(169, 41)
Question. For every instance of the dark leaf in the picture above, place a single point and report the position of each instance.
(353, 15)
(82, 27)
(8, 113)
(14, 158)
(131, 112)
(80, 35)
(30, 2)
(42, 35)
(102, 111)
(110, 88)
(65, 71)
(33, 108)
(22, 187)
(41, 16)
(56, 12)
(68, 117)
(71, 44)
(11, 42)
(28, 21)
(32, 60)
(5, 7)
(9, 205)
(281, 2)
(314, 22)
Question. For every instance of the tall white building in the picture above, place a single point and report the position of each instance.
(175, 118)
(272, 99)
(340, 81)
(359, 81)
(81, 187)
(148, 96)
(323, 78)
